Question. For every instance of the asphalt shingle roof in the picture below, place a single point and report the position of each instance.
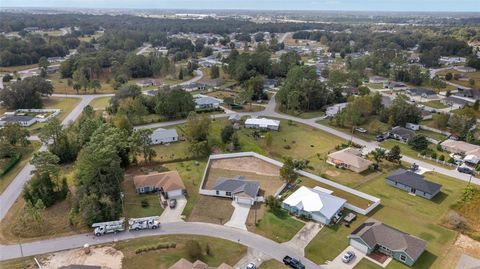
(414, 180)
(237, 185)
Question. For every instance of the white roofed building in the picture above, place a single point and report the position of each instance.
(262, 123)
(317, 204)
(164, 136)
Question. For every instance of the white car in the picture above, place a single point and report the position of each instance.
(251, 266)
(361, 130)
(348, 256)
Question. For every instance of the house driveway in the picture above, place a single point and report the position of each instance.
(254, 256)
(304, 236)
(337, 263)
(239, 216)
(174, 214)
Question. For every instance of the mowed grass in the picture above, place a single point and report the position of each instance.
(220, 251)
(100, 103)
(278, 226)
(133, 202)
(273, 264)
(435, 104)
(27, 153)
(66, 105)
(410, 214)
(408, 151)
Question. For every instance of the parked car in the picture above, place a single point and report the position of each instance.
(173, 203)
(361, 130)
(465, 170)
(251, 266)
(348, 256)
(293, 263)
(380, 138)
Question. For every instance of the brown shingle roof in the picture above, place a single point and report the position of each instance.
(224, 266)
(374, 232)
(169, 181)
(185, 264)
(350, 156)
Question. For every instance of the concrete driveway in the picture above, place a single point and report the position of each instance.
(239, 216)
(304, 236)
(254, 256)
(337, 263)
(174, 214)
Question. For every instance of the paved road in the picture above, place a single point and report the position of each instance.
(433, 73)
(198, 76)
(269, 247)
(143, 49)
(270, 112)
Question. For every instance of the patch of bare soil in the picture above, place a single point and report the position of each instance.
(105, 257)
(332, 173)
(247, 164)
(468, 245)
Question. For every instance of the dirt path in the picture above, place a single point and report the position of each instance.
(106, 257)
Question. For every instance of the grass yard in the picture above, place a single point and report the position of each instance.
(60, 85)
(278, 226)
(220, 251)
(65, 104)
(435, 104)
(273, 264)
(310, 114)
(211, 209)
(376, 86)
(408, 151)
(12, 69)
(100, 103)
(373, 126)
(133, 202)
(434, 135)
(27, 153)
(414, 215)
(474, 75)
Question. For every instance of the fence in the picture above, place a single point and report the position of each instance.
(436, 160)
(374, 200)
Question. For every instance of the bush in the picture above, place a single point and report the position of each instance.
(441, 158)
(194, 250)
(145, 203)
(434, 155)
(287, 147)
(166, 245)
(451, 160)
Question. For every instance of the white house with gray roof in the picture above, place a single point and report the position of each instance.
(206, 102)
(241, 190)
(164, 136)
(317, 204)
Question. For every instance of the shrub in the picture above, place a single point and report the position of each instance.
(434, 155)
(287, 147)
(441, 158)
(451, 160)
(194, 250)
(166, 245)
(145, 203)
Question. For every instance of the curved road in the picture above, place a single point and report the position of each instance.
(269, 247)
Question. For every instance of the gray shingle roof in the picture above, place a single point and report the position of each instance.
(403, 132)
(237, 185)
(413, 180)
(373, 233)
(16, 118)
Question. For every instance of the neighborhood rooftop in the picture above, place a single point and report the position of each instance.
(374, 233)
(168, 181)
(237, 185)
(414, 180)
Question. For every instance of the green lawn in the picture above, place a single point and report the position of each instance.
(27, 153)
(414, 215)
(310, 114)
(132, 202)
(373, 126)
(408, 151)
(220, 251)
(100, 103)
(280, 226)
(377, 86)
(434, 135)
(273, 264)
(435, 104)
(66, 105)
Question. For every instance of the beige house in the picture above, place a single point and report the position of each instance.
(459, 147)
(169, 184)
(185, 264)
(349, 158)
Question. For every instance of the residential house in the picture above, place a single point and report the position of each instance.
(377, 79)
(164, 136)
(452, 60)
(401, 133)
(22, 120)
(374, 236)
(349, 158)
(335, 109)
(169, 184)
(317, 204)
(193, 86)
(454, 102)
(473, 94)
(241, 190)
(262, 123)
(413, 183)
(235, 118)
(465, 69)
(270, 83)
(206, 102)
(459, 147)
(396, 86)
(422, 92)
(185, 264)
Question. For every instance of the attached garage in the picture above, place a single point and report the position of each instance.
(358, 245)
(244, 200)
(175, 193)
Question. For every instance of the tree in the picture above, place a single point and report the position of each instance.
(51, 132)
(227, 133)
(174, 103)
(214, 72)
(401, 112)
(95, 85)
(441, 120)
(142, 140)
(448, 76)
(46, 162)
(43, 64)
(287, 172)
(26, 93)
(14, 134)
(268, 139)
(194, 250)
(418, 142)
(394, 155)
(77, 86)
(180, 74)
(378, 154)
(363, 90)
(273, 203)
(197, 128)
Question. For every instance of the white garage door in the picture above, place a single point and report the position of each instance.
(175, 193)
(243, 200)
(359, 246)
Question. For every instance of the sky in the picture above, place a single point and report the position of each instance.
(355, 5)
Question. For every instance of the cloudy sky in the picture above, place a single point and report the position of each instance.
(361, 5)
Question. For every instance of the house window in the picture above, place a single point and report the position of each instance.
(403, 258)
(217, 192)
(228, 193)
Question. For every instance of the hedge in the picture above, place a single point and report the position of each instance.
(10, 165)
(155, 247)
